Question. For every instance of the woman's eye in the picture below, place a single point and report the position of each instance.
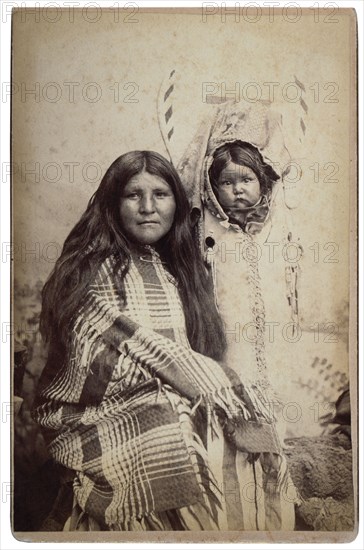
(161, 194)
(133, 195)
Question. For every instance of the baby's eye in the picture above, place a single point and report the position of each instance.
(226, 182)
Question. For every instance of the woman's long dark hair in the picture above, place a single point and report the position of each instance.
(99, 234)
(244, 154)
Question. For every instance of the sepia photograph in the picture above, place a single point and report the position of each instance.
(184, 272)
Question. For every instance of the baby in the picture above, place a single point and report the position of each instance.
(242, 183)
(234, 190)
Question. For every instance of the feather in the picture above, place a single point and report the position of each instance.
(165, 109)
(303, 105)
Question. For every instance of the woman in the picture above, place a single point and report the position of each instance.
(132, 394)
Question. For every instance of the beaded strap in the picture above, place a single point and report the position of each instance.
(257, 309)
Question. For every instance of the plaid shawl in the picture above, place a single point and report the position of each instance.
(125, 410)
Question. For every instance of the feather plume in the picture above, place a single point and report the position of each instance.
(165, 110)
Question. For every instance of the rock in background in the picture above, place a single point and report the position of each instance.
(321, 469)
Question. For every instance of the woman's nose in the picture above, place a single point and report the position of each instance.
(147, 204)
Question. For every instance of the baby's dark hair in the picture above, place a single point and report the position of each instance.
(244, 154)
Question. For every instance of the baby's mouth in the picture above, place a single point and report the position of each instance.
(240, 204)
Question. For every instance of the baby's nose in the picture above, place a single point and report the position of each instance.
(239, 187)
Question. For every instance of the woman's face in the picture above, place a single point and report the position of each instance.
(238, 186)
(147, 208)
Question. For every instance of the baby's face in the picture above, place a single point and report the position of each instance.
(238, 187)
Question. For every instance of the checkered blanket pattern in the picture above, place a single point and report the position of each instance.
(111, 411)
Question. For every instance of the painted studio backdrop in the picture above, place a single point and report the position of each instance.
(90, 85)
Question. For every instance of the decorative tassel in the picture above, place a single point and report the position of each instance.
(291, 278)
(210, 261)
(196, 405)
(262, 405)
